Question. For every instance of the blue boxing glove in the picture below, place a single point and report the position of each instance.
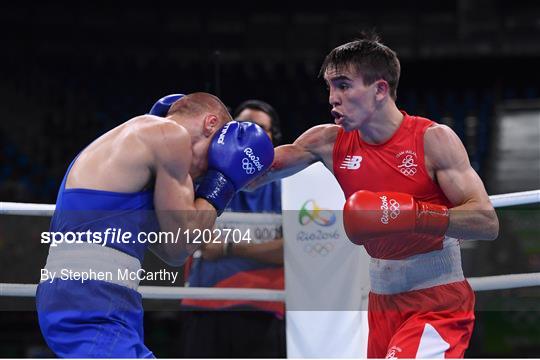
(162, 106)
(238, 153)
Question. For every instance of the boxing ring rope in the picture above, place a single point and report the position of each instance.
(169, 293)
(486, 283)
(31, 209)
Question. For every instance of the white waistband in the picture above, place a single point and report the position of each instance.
(417, 272)
(93, 260)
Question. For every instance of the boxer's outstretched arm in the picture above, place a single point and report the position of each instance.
(473, 216)
(314, 145)
(174, 199)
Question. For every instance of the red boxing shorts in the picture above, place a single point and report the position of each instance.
(435, 322)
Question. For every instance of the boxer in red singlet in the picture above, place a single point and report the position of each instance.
(411, 194)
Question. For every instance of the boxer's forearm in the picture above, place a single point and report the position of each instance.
(272, 175)
(473, 221)
(204, 216)
(184, 225)
(473, 216)
(173, 256)
(288, 160)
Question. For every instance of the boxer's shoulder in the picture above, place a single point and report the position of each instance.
(150, 142)
(319, 138)
(150, 125)
(438, 130)
(163, 136)
(330, 132)
(442, 147)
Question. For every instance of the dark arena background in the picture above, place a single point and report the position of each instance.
(71, 71)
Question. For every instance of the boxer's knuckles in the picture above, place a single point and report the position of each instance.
(242, 151)
(239, 152)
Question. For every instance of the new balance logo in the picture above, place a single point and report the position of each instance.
(351, 162)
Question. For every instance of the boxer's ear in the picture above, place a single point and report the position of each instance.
(382, 89)
(211, 125)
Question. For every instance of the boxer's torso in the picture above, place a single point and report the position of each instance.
(106, 214)
(110, 185)
(91, 282)
(398, 165)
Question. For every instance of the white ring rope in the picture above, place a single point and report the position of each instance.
(30, 209)
(26, 209)
(486, 283)
(517, 198)
(169, 293)
(502, 282)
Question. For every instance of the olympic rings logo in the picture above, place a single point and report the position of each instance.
(318, 249)
(248, 166)
(394, 208)
(390, 209)
(408, 167)
(408, 172)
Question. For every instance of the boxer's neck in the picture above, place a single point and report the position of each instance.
(382, 125)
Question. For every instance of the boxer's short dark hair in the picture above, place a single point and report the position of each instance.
(268, 110)
(370, 58)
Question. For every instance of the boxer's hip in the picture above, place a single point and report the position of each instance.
(87, 262)
(88, 277)
(92, 317)
(432, 322)
(417, 272)
(455, 297)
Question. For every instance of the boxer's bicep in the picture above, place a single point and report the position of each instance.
(450, 162)
(173, 193)
(472, 216)
(173, 188)
(175, 210)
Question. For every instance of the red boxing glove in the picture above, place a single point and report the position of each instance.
(368, 215)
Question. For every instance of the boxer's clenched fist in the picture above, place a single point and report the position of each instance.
(368, 215)
(239, 152)
(162, 106)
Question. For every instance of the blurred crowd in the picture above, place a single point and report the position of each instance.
(54, 106)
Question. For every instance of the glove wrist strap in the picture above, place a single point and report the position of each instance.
(217, 189)
(432, 219)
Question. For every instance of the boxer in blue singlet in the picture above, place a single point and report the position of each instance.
(138, 177)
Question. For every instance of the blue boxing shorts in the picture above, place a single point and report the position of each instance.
(88, 317)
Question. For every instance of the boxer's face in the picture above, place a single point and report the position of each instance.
(353, 102)
(207, 125)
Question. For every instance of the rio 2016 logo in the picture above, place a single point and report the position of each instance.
(310, 211)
